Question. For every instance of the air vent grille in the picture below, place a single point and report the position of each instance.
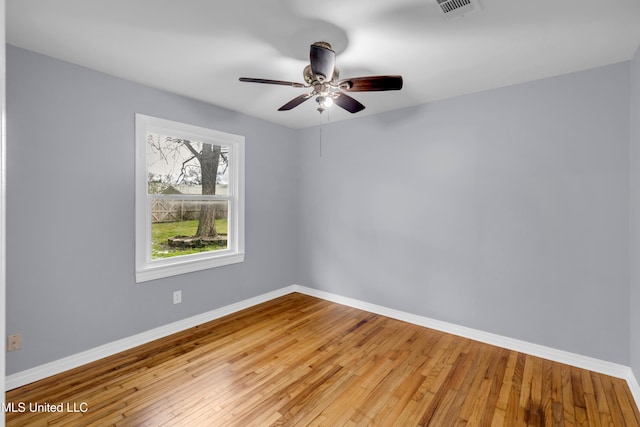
(451, 5)
(456, 8)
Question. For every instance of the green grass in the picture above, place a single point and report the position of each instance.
(161, 232)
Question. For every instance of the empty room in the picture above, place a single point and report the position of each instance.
(364, 213)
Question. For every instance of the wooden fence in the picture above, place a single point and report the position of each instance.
(163, 210)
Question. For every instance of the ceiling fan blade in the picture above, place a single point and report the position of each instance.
(271, 82)
(295, 102)
(371, 83)
(322, 61)
(348, 103)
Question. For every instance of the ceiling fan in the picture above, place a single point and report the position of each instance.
(322, 76)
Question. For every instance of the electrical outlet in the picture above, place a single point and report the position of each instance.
(14, 342)
(177, 297)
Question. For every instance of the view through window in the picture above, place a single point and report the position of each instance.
(192, 196)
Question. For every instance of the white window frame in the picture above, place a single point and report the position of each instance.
(148, 269)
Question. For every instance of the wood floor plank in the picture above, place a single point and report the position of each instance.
(303, 361)
(557, 406)
(567, 397)
(499, 417)
(495, 372)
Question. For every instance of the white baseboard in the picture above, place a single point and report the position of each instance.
(608, 368)
(632, 381)
(57, 366)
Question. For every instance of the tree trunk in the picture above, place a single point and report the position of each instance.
(209, 159)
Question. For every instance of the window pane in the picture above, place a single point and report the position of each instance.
(184, 227)
(181, 166)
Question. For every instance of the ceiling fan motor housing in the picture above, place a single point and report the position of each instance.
(310, 78)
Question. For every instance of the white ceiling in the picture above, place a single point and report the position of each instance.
(199, 48)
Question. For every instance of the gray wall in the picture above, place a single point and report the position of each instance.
(505, 211)
(635, 215)
(70, 216)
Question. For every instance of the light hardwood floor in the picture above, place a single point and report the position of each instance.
(302, 361)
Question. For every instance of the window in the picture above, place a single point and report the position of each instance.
(189, 198)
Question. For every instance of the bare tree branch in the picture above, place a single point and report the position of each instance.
(190, 147)
(183, 169)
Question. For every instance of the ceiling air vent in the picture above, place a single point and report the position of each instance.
(457, 8)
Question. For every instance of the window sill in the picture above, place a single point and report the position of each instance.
(153, 272)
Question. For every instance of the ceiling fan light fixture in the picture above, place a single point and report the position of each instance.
(324, 102)
(328, 102)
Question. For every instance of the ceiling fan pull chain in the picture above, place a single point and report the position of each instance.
(320, 145)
